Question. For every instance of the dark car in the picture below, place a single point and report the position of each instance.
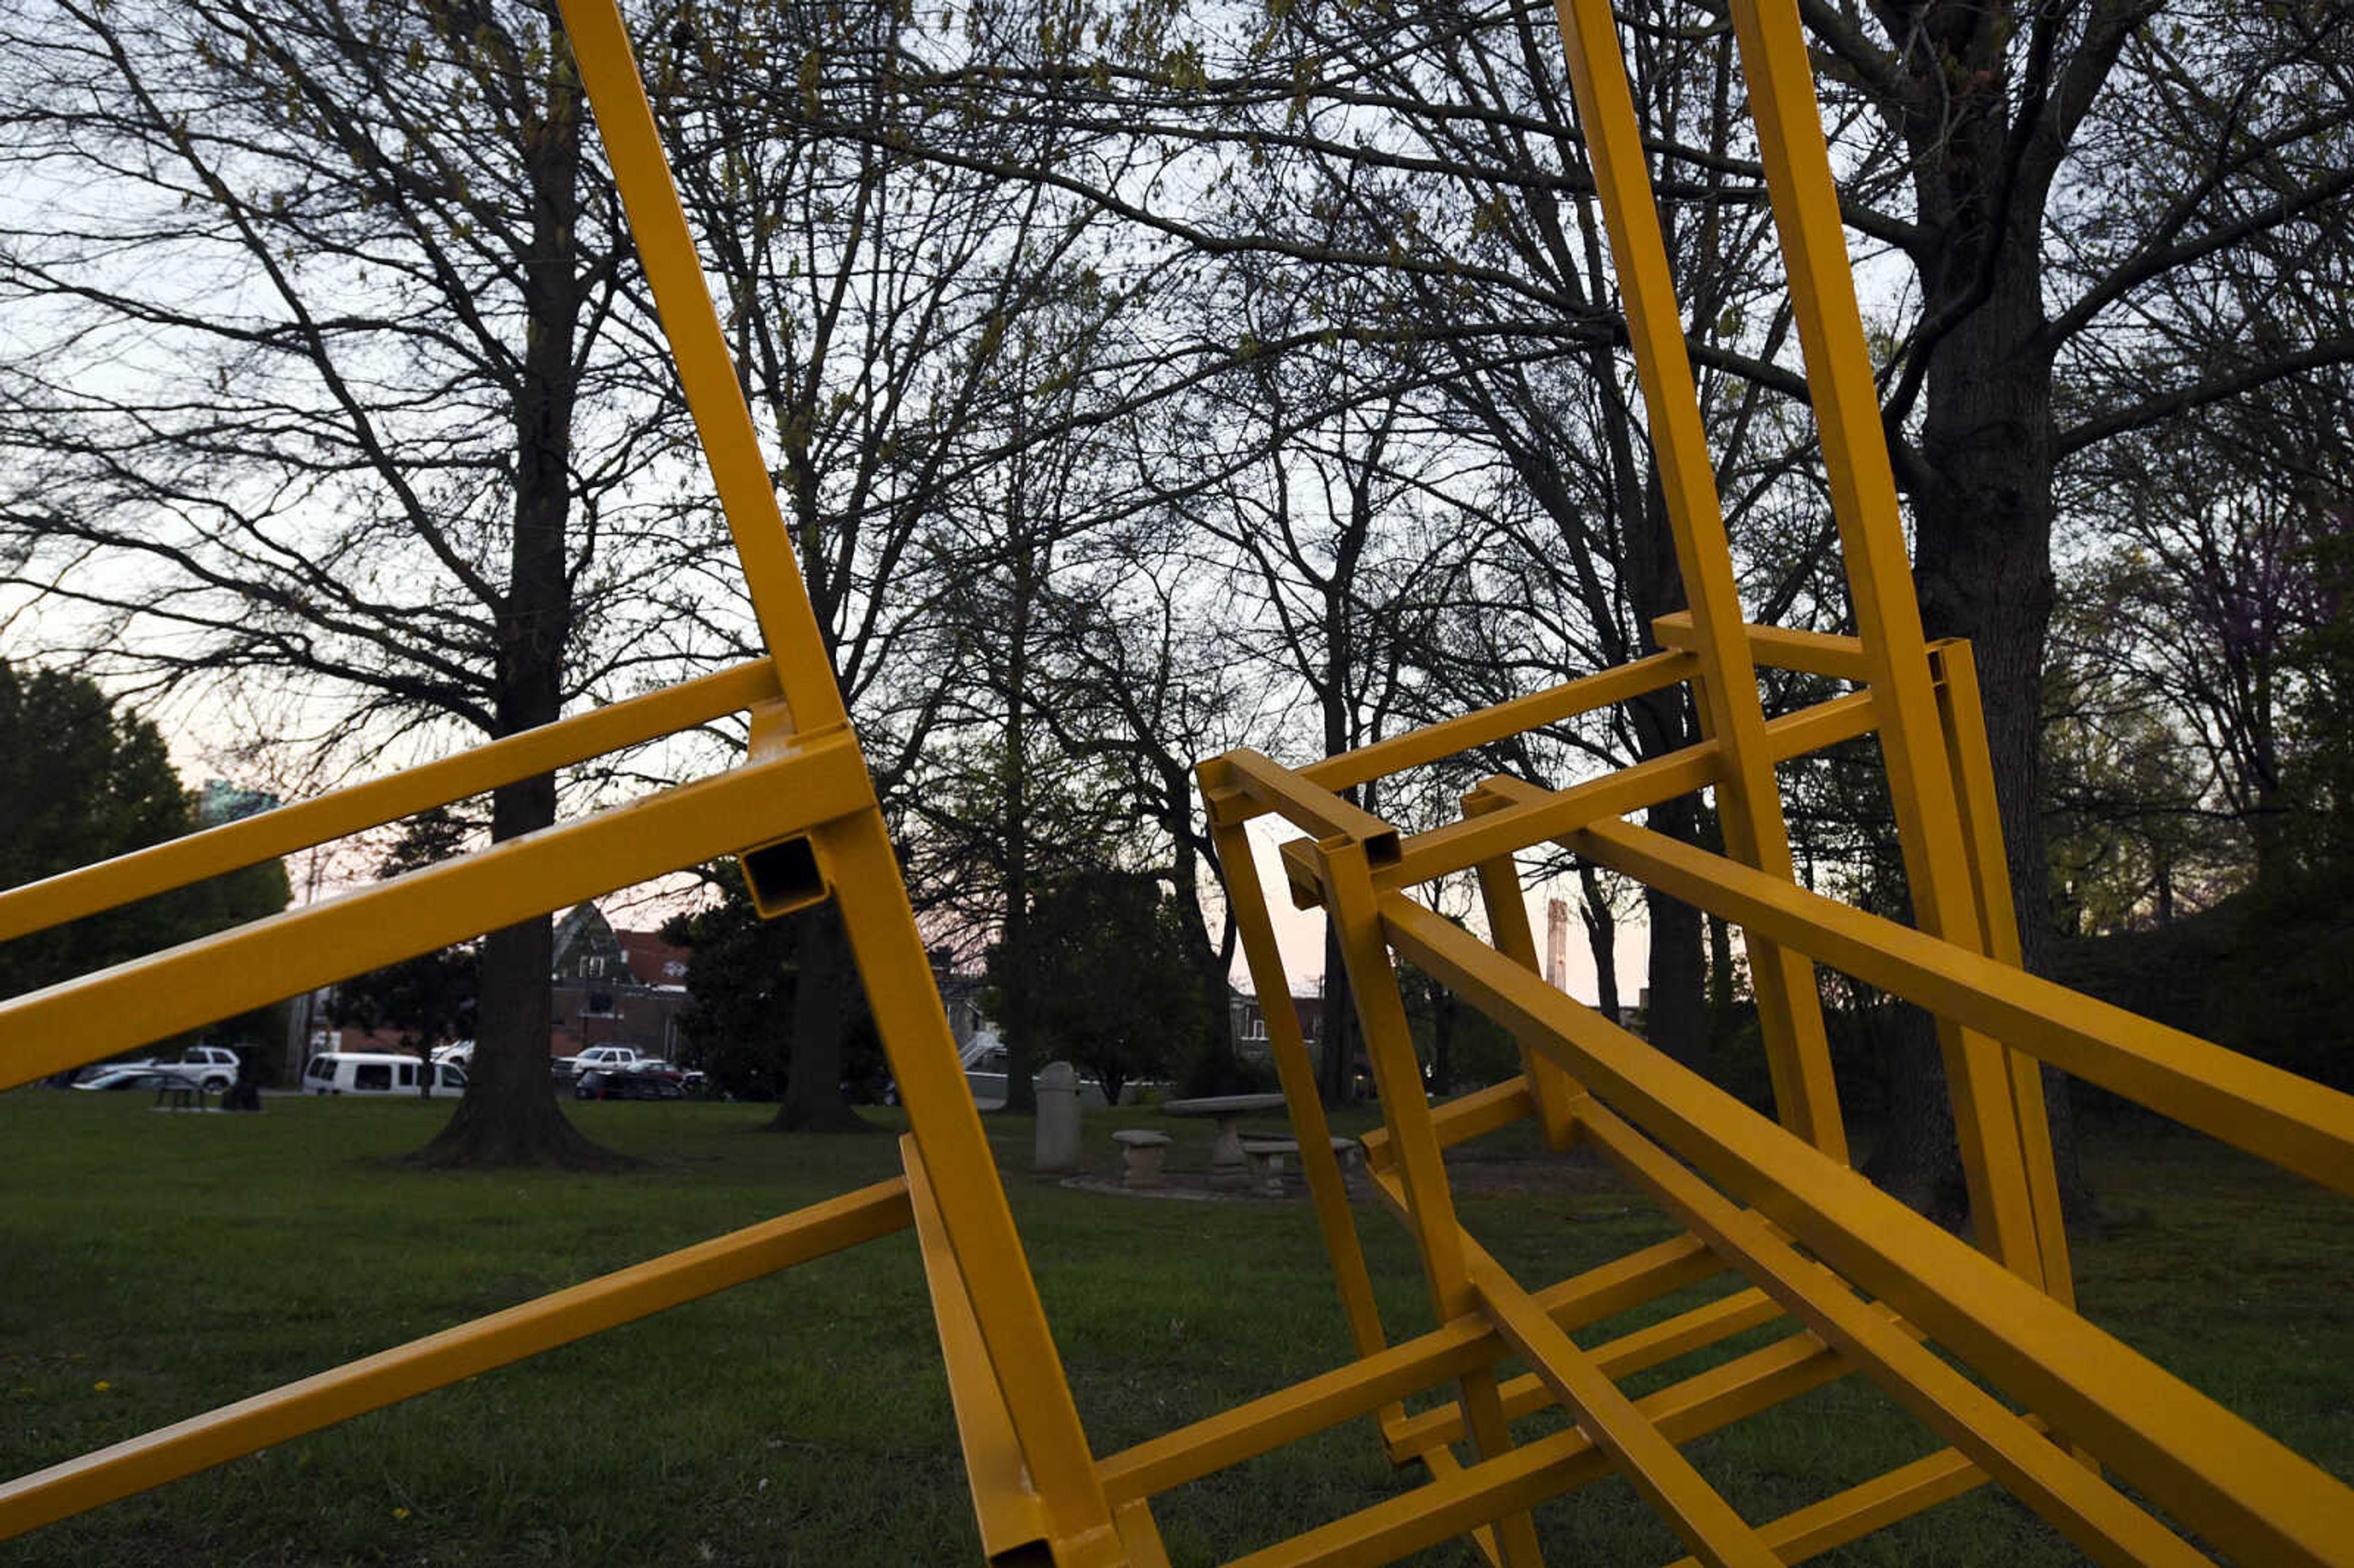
(601, 1085)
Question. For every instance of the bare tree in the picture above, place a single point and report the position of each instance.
(300, 331)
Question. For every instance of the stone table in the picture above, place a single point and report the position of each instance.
(1228, 1166)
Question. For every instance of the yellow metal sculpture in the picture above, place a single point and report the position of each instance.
(2048, 1407)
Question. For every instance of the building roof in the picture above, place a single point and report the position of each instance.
(651, 960)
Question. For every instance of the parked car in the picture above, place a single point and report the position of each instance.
(458, 1052)
(212, 1068)
(119, 1076)
(614, 1084)
(378, 1073)
(600, 1058)
(984, 1061)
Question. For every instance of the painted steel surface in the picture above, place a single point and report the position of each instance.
(1864, 1285)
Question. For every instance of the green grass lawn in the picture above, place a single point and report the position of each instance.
(152, 1266)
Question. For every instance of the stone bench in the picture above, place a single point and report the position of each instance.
(1265, 1157)
(1142, 1151)
(1352, 1156)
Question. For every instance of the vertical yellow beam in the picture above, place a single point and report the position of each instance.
(1327, 1188)
(1351, 902)
(1749, 801)
(1981, 823)
(947, 1129)
(625, 121)
(1879, 588)
(1507, 924)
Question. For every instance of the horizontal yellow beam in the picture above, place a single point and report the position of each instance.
(1560, 1462)
(438, 1360)
(1262, 784)
(2225, 1478)
(2011, 1448)
(1856, 1511)
(1778, 648)
(2276, 1115)
(1622, 1357)
(1302, 1410)
(250, 966)
(1463, 1117)
(1535, 816)
(1464, 1345)
(1642, 1452)
(1471, 731)
(289, 829)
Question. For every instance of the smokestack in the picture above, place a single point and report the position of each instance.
(1556, 943)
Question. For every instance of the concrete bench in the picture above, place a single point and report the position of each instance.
(1265, 1157)
(1142, 1151)
(1352, 1156)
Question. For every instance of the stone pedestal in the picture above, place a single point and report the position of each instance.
(1057, 1150)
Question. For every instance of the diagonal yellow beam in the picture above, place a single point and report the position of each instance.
(1653, 1465)
(453, 1354)
(1011, 1517)
(2290, 1121)
(723, 419)
(2232, 1483)
(817, 780)
(292, 828)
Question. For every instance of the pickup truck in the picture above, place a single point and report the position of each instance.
(601, 1059)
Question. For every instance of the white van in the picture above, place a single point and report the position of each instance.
(378, 1073)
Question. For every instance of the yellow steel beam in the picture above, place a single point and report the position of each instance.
(1841, 384)
(1749, 800)
(2009, 1447)
(1327, 1186)
(1205, 1446)
(2222, 1477)
(1622, 1357)
(1552, 1465)
(723, 420)
(1312, 806)
(855, 852)
(438, 1360)
(1964, 722)
(1385, 1376)
(1508, 927)
(1449, 737)
(290, 829)
(78, 1021)
(1466, 1116)
(1527, 819)
(2290, 1121)
(1651, 1464)
(1586, 1297)
(1859, 1511)
(1011, 1515)
(1354, 907)
(1778, 648)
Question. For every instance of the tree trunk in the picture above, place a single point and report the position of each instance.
(1021, 1063)
(509, 1115)
(1337, 1050)
(1217, 1064)
(1678, 1018)
(812, 1100)
(1983, 571)
(1601, 937)
(1664, 722)
(1916, 1160)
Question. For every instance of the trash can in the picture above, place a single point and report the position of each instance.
(1057, 1087)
